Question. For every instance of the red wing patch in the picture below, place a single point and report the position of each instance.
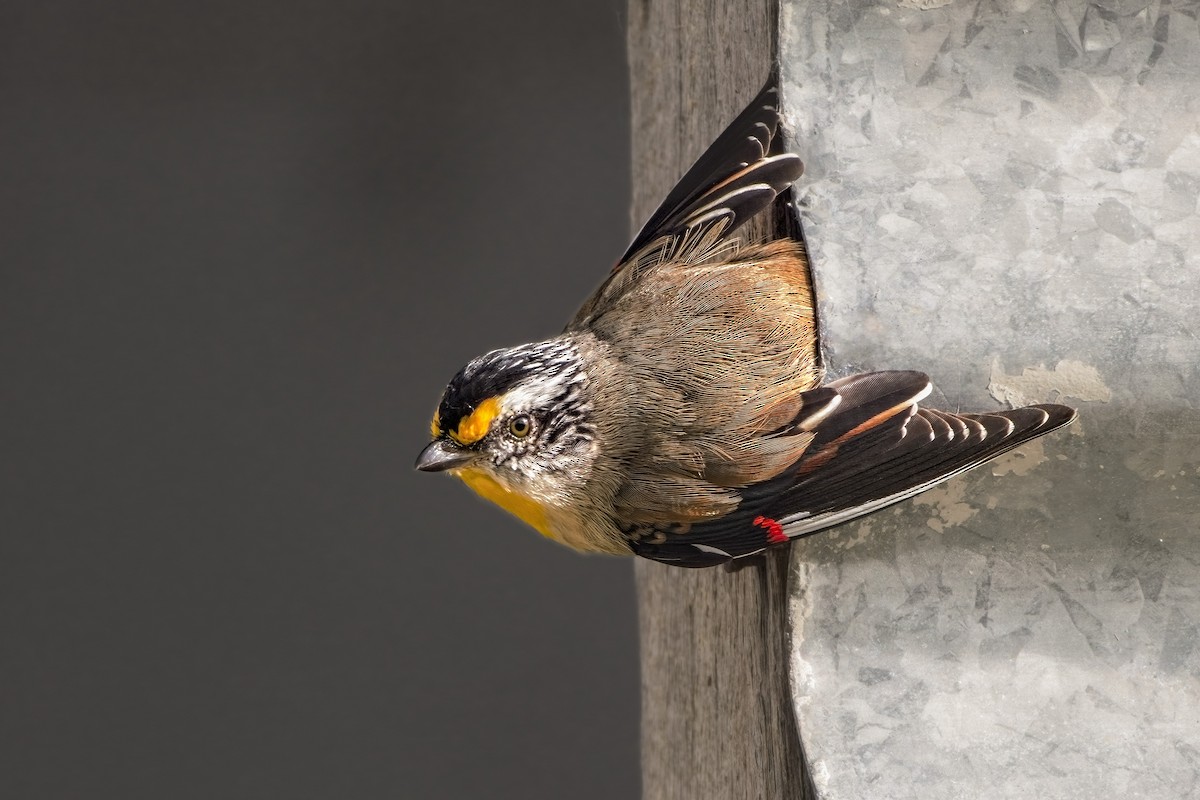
(775, 534)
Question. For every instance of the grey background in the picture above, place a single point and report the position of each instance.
(242, 248)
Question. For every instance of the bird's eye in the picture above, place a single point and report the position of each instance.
(520, 426)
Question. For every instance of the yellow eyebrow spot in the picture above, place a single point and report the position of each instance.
(435, 427)
(473, 428)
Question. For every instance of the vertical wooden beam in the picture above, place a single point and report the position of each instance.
(717, 718)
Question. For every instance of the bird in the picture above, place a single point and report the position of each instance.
(682, 414)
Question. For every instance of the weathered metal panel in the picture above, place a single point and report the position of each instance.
(1003, 194)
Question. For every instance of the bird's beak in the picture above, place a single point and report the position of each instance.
(441, 455)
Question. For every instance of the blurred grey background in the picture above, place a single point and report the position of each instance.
(243, 246)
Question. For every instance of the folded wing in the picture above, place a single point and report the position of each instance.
(871, 446)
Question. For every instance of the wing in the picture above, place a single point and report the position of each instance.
(872, 445)
(739, 175)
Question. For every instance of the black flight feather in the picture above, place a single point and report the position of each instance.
(875, 447)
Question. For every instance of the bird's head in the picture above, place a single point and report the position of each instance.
(514, 426)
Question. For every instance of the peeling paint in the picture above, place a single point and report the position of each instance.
(1070, 379)
(949, 506)
(1021, 461)
(851, 535)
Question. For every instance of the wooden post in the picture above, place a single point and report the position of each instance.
(717, 718)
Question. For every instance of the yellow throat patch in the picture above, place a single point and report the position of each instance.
(528, 511)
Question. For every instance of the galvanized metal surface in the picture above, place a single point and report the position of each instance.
(1004, 194)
